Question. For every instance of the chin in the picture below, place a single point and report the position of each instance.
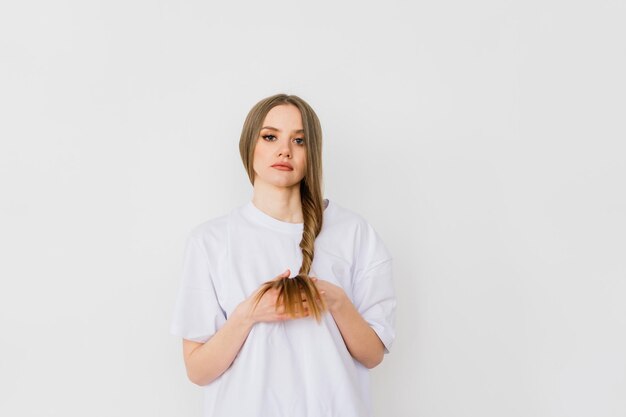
(279, 183)
(282, 181)
(286, 185)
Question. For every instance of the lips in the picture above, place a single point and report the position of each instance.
(283, 166)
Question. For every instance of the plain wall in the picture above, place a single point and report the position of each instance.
(483, 140)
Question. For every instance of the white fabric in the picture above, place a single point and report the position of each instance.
(298, 367)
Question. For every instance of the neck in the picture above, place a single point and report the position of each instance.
(282, 203)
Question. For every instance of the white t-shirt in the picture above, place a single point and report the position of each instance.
(295, 368)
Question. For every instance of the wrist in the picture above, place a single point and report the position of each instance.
(340, 303)
(243, 314)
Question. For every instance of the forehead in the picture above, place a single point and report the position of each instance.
(284, 116)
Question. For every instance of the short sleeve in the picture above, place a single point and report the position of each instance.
(373, 291)
(197, 312)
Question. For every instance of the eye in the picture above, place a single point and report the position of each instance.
(268, 136)
(300, 139)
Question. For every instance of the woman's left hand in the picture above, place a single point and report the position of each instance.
(360, 338)
(333, 295)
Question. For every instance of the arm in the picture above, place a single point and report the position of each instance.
(205, 362)
(361, 340)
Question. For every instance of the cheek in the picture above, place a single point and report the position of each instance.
(258, 155)
(303, 159)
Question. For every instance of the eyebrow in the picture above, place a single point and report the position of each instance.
(278, 130)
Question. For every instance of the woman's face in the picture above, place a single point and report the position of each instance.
(281, 141)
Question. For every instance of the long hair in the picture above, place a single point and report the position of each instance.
(289, 289)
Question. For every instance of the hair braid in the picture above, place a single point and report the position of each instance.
(290, 289)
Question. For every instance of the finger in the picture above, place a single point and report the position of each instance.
(301, 313)
(282, 317)
(305, 306)
(284, 274)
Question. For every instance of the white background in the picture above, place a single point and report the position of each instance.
(483, 140)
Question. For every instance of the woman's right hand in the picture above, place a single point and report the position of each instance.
(207, 361)
(266, 310)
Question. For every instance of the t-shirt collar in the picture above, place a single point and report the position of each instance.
(259, 216)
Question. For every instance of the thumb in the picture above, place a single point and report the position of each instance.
(285, 273)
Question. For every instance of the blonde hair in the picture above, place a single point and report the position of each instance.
(289, 289)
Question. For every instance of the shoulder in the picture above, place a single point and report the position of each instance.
(211, 231)
(344, 222)
(337, 215)
(341, 217)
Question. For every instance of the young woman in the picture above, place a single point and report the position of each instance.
(259, 339)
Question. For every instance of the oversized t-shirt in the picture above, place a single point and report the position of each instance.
(292, 368)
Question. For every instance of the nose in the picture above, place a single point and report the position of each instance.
(284, 150)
